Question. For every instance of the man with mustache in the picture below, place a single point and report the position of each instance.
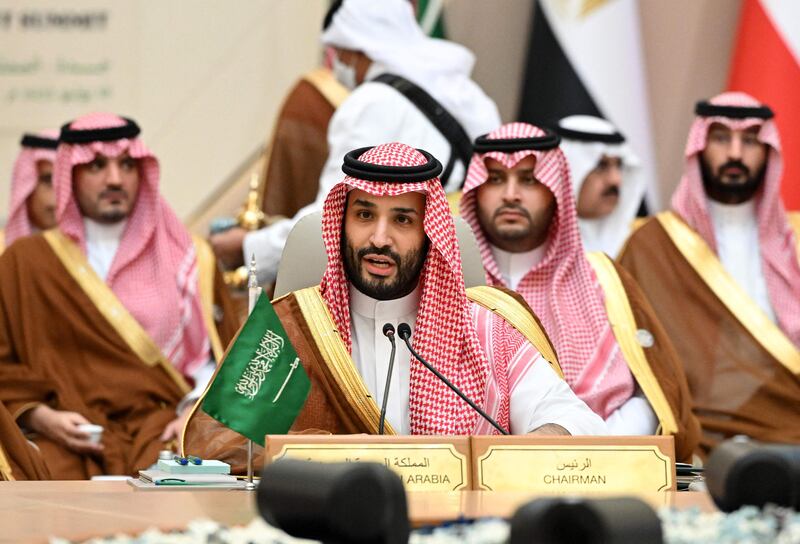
(721, 269)
(606, 179)
(614, 353)
(109, 318)
(393, 258)
(33, 202)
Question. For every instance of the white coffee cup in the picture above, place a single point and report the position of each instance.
(95, 432)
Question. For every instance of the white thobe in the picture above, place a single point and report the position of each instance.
(739, 249)
(373, 114)
(635, 416)
(514, 266)
(540, 398)
(102, 242)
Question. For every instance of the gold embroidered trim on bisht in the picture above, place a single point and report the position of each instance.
(131, 332)
(333, 351)
(700, 257)
(504, 305)
(5, 466)
(623, 323)
(206, 269)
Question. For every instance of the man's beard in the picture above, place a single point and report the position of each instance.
(536, 229)
(731, 192)
(408, 270)
(512, 232)
(114, 215)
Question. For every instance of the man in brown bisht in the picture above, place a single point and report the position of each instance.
(721, 270)
(393, 258)
(109, 318)
(613, 351)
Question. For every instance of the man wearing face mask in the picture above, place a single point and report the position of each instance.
(393, 258)
(606, 180)
(721, 269)
(406, 87)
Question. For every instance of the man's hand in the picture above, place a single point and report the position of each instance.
(61, 427)
(550, 429)
(175, 427)
(227, 246)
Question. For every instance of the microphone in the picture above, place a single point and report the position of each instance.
(359, 503)
(404, 331)
(388, 332)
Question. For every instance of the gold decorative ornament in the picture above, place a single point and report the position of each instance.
(250, 218)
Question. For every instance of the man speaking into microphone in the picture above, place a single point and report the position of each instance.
(393, 258)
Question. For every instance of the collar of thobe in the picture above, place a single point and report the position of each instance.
(384, 310)
(102, 233)
(102, 242)
(515, 265)
(733, 215)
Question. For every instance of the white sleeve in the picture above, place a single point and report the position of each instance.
(373, 114)
(201, 377)
(635, 417)
(542, 397)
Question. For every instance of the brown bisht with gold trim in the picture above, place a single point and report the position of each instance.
(74, 348)
(741, 368)
(649, 354)
(339, 402)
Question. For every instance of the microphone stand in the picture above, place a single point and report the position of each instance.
(388, 332)
(404, 331)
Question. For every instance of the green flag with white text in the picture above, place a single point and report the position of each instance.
(429, 16)
(261, 386)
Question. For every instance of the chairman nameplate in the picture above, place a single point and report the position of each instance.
(613, 464)
(440, 463)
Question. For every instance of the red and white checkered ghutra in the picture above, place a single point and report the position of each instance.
(23, 181)
(445, 330)
(562, 289)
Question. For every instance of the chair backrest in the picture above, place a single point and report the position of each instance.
(303, 260)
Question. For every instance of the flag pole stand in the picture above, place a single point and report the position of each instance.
(250, 485)
(253, 292)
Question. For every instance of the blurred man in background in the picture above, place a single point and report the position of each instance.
(406, 87)
(33, 202)
(722, 272)
(112, 317)
(606, 180)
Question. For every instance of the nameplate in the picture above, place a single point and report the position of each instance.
(612, 464)
(424, 463)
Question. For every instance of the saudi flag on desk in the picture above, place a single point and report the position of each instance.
(261, 385)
